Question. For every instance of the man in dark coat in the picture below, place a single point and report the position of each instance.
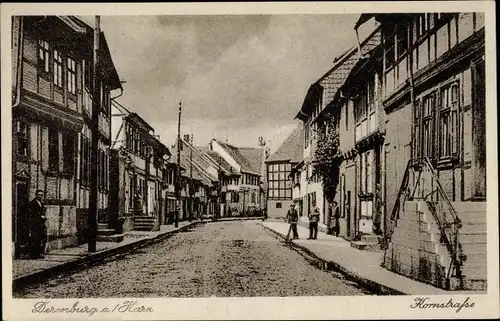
(292, 218)
(36, 225)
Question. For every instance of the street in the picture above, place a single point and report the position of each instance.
(222, 259)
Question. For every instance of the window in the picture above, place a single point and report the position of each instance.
(22, 138)
(401, 40)
(53, 150)
(389, 47)
(68, 153)
(278, 181)
(364, 109)
(448, 121)
(278, 205)
(365, 175)
(428, 106)
(253, 197)
(88, 75)
(235, 197)
(71, 76)
(422, 25)
(58, 68)
(43, 55)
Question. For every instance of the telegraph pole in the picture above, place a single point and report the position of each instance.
(92, 215)
(178, 169)
(191, 187)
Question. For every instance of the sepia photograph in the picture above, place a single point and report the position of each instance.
(249, 155)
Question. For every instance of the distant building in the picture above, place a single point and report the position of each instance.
(279, 167)
(51, 109)
(243, 187)
(141, 173)
(200, 178)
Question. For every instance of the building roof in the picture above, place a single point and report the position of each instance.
(335, 77)
(81, 26)
(222, 162)
(253, 156)
(291, 149)
(237, 155)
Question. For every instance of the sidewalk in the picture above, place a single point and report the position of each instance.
(27, 271)
(361, 266)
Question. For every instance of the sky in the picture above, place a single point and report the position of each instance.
(239, 77)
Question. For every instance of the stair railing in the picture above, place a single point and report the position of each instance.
(420, 182)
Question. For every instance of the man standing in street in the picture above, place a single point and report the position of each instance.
(313, 221)
(36, 225)
(292, 217)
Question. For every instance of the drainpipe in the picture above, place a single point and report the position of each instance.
(19, 70)
(17, 101)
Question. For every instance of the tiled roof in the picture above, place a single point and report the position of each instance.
(344, 63)
(334, 79)
(253, 156)
(222, 162)
(291, 149)
(236, 154)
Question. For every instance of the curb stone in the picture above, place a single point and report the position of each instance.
(373, 286)
(230, 219)
(92, 259)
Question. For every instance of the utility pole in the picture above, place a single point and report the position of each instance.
(178, 169)
(191, 187)
(92, 215)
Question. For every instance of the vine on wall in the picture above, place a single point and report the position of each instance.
(326, 162)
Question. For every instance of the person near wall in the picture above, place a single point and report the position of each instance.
(335, 219)
(37, 226)
(378, 210)
(138, 203)
(313, 221)
(292, 217)
(331, 221)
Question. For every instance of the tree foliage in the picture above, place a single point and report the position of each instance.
(326, 162)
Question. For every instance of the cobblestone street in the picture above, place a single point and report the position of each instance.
(216, 259)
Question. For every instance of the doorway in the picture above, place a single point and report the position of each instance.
(20, 232)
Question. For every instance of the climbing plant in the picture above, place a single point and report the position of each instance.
(326, 162)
